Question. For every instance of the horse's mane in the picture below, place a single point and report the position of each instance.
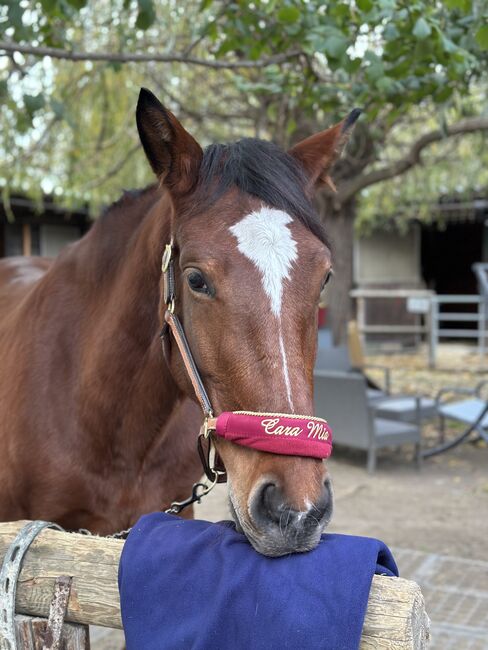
(256, 167)
(128, 199)
(261, 169)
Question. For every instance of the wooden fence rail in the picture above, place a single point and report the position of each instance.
(395, 618)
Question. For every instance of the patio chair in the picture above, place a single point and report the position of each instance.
(337, 358)
(471, 412)
(358, 358)
(341, 399)
(402, 408)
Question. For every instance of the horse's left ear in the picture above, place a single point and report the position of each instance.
(319, 152)
(173, 153)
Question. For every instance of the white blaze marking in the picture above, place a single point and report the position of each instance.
(285, 371)
(264, 238)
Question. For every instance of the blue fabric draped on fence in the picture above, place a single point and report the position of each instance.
(199, 585)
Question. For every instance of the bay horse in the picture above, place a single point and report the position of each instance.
(97, 425)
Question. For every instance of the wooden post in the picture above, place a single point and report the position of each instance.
(26, 239)
(395, 618)
(30, 632)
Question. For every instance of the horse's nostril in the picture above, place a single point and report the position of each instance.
(269, 507)
(272, 502)
(324, 504)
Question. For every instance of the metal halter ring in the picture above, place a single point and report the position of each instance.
(206, 430)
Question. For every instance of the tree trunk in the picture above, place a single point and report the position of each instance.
(339, 225)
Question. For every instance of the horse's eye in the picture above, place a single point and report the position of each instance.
(197, 283)
(327, 278)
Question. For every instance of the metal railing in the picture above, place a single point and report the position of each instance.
(427, 304)
(418, 328)
(437, 316)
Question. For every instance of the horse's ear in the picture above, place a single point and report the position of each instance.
(319, 152)
(173, 153)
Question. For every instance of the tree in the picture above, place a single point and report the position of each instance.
(288, 68)
(391, 58)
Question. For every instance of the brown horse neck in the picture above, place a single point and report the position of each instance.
(119, 266)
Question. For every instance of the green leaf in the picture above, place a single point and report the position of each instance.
(288, 14)
(49, 6)
(116, 66)
(422, 29)
(57, 108)
(205, 4)
(352, 65)
(448, 45)
(390, 32)
(482, 37)
(291, 126)
(385, 85)
(462, 5)
(33, 102)
(442, 94)
(77, 4)
(336, 46)
(146, 15)
(387, 4)
(365, 5)
(15, 13)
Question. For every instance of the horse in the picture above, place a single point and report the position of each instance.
(97, 425)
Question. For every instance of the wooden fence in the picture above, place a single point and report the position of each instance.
(395, 618)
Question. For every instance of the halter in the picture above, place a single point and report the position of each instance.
(279, 433)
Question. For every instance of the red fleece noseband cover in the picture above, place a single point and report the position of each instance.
(291, 435)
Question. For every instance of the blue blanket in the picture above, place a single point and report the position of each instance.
(193, 584)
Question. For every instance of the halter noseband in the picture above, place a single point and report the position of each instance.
(279, 433)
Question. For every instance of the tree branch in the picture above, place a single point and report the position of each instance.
(120, 57)
(400, 166)
(114, 169)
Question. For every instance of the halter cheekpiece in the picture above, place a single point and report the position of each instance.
(278, 433)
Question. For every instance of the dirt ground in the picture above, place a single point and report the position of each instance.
(443, 508)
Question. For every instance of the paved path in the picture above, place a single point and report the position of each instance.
(456, 596)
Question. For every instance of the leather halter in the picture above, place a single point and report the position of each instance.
(214, 471)
(281, 433)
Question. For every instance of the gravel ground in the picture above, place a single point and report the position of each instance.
(457, 365)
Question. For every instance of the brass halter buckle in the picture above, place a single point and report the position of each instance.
(168, 252)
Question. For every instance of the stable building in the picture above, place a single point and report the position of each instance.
(437, 256)
(26, 230)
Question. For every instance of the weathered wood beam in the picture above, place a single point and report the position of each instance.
(30, 632)
(395, 619)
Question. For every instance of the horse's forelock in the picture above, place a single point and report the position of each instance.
(262, 170)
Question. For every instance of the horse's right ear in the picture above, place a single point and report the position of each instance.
(173, 153)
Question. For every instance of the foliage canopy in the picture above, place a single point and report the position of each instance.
(278, 69)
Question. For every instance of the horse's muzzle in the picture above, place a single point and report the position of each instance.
(277, 529)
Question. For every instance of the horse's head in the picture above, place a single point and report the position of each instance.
(251, 259)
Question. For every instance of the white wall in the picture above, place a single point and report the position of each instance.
(53, 238)
(388, 258)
